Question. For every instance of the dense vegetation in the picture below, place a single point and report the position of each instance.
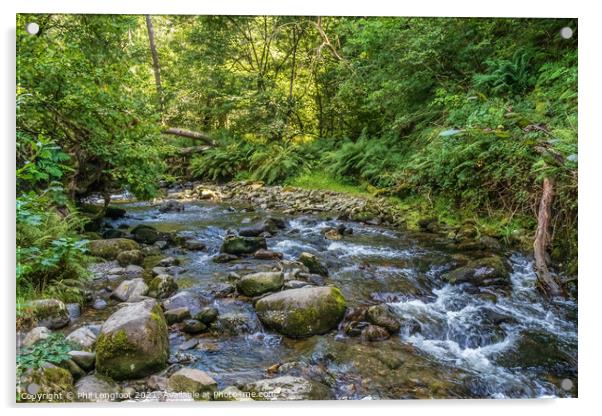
(455, 118)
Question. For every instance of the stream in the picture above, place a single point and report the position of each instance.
(453, 343)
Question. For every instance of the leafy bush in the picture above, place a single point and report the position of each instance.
(54, 350)
(274, 163)
(221, 163)
(515, 75)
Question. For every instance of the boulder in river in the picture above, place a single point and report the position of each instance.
(193, 326)
(224, 258)
(289, 388)
(194, 245)
(162, 286)
(486, 271)
(83, 336)
(302, 312)
(51, 313)
(145, 234)
(191, 380)
(171, 206)
(267, 255)
(97, 388)
(256, 284)
(383, 316)
(130, 257)
(313, 264)
(175, 315)
(184, 299)
(242, 245)
(375, 333)
(84, 359)
(207, 315)
(130, 290)
(133, 342)
(109, 249)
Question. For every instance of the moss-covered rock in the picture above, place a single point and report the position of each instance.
(96, 388)
(256, 284)
(487, 271)
(242, 245)
(133, 342)
(191, 380)
(288, 388)
(109, 249)
(130, 257)
(302, 312)
(47, 384)
(162, 286)
(115, 212)
(382, 316)
(145, 234)
(130, 290)
(51, 313)
(313, 264)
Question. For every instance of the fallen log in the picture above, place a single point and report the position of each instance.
(196, 135)
(187, 151)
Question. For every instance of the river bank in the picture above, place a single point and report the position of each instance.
(205, 272)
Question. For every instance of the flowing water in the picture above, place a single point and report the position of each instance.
(453, 343)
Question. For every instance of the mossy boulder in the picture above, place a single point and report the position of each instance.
(130, 290)
(130, 257)
(110, 248)
(486, 271)
(313, 264)
(145, 234)
(256, 284)
(97, 388)
(289, 388)
(133, 342)
(51, 313)
(191, 380)
(47, 384)
(243, 245)
(162, 286)
(302, 312)
(383, 316)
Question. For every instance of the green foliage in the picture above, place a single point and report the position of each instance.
(51, 259)
(52, 350)
(274, 163)
(221, 163)
(514, 76)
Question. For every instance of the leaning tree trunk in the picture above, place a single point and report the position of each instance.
(155, 56)
(545, 280)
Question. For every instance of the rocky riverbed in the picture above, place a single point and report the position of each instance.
(247, 292)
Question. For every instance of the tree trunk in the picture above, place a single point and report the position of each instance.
(545, 280)
(190, 134)
(155, 56)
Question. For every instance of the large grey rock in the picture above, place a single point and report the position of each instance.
(110, 248)
(51, 313)
(96, 388)
(242, 245)
(487, 271)
(302, 312)
(83, 336)
(382, 315)
(130, 257)
(191, 380)
(183, 299)
(313, 264)
(36, 334)
(130, 290)
(133, 342)
(288, 388)
(256, 284)
(162, 286)
(84, 359)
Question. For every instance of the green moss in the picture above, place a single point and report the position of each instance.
(109, 249)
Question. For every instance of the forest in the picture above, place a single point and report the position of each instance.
(464, 128)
